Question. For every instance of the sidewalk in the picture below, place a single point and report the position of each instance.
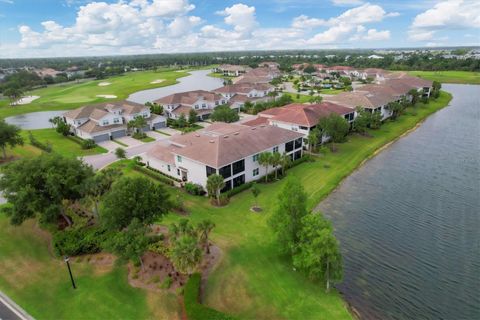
(9, 310)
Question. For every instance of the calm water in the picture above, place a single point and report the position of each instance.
(409, 220)
(34, 120)
(197, 80)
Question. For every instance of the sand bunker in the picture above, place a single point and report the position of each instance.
(157, 81)
(106, 96)
(25, 100)
(103, 84)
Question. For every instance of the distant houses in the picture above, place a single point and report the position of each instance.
(108, 121)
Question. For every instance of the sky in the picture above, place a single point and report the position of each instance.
(47, 28)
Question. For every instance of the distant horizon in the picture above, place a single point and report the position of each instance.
(250, 51)
(84, 28)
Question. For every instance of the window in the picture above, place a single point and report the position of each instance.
(179, 159)
(238, 166)
(210, 171)
(294, 129)
(116, 120)
(303, 128)
(238, 181)
(203, 105)
(289, 146)
(255, 157)
(168, 168)
(178, 172)
(275, 149)
(196, 107)
(255, 172)
(297, 155)
(216, 103)
(105, 122)
(145, 115)
(228, 186)
(225, 171)
(298, 143)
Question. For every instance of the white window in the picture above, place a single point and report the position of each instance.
(168, 168)
(255, 172)
(145, 114)
(179, 159)
(196, 107)
(275, 149)
(116, 120)
(255, 157)
(105, 122)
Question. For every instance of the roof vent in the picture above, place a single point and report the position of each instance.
(197, 135)
(262, 126)
(212, 141)
(225, 136)
(236, 133)
(254, 128)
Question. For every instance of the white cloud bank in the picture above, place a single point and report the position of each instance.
(147, 26)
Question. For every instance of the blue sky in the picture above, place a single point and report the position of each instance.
(77, 27)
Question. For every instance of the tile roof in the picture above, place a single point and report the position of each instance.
(86, 111)
(256, 122)
(222, 143)
(189, 97)
(163, 153)
(92, 127)
(186, 110)
(244, 88)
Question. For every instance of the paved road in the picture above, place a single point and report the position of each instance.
(9, 310)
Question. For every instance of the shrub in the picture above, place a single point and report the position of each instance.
(139, 135)
(159, 247)
(88, 144)
(194, 309)
(73, 242)
(194, 189)
(163, 174)
(167, 283)
(47, 147)
(241, 188)
(153, 174)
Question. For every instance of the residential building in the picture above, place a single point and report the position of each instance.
(231, 70)
(203, 102)
(239, 93)
(259, 75)
(230, 150)
(372, 101)
(107, 121)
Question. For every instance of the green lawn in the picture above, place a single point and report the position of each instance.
(449, 76)
(63, 145)
(331, 91)
(145, 139)
(72, 95)
(302, 98)
(220, 75)
(252, 281)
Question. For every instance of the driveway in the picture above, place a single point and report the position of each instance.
(109, 145)
(129, 141)
(170, 131)
(156, 135)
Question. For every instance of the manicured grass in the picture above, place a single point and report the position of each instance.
(331, 91)
(220, 75)
(253, 280)
(64, 145)
(72, 95)
(302, 98)
(449, 76)
(120, 143)
(164, 133)
(146, 139)
(40, 283)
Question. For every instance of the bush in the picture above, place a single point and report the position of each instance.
(139, 135)
(163, 174)
(159, 247)
(153, 174)
(194, 309)
(47, 147)
(167, 283)
(73, 242)
(88, 144)
(241, 188)
(194, 189)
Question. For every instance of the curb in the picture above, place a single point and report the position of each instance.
(16, 309)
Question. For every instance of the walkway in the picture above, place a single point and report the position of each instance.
(9, 310)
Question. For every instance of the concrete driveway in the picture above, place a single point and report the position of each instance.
(156, 135)
(109, 145)
(129, 141)
(170, 131)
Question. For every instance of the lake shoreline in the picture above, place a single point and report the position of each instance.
(351, 309)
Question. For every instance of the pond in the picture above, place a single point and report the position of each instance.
(34, 120)
(408, 221)
(197, 80)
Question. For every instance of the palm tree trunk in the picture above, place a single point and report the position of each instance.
(4, 152)
(69, 222)
(276, 173)
(266, 173)
(328, 276)
(96, 209)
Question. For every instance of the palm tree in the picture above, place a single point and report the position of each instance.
(285, 162)
(264, 160)
(138, 123)
(215, 183)
(204, 228)
(275, 160)
(185, 254)
(313, 137)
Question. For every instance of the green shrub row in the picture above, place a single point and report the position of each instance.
(154, 174)
(47, 147)
(194, 309)
(230, 193)
(85, 144)
(163, 174)
(194, 189)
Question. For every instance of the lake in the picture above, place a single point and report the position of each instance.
(408, 221)
(197, 80)
(34, 120)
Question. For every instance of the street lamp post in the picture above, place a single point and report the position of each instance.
(69, 271)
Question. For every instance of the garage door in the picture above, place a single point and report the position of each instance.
(101, 138)
(147, 128)
(118, 134)
(159, 125)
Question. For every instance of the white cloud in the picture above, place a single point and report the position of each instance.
(445, 15)
(241, 17)
(347, 2)
(374, 35)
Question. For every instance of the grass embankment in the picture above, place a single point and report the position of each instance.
(68, 146)
(464, 77)
(252, 281)
(220, 75)
(72, 95)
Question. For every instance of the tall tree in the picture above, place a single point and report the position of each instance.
(336, 127)
(60, 125)
(286, 219)
(362, 121)
(215, 183)
(192, 117)
(14, 94)
(275, 161)
(185, 254)
(224, 113)
(130, 243)
(204, 228)
(317, 251)
(313, 138)
(255, 192)
(139, 123)
(264, 159)
(100, 184)
(41, 185)
(120, 153)
(413, 93)
(285, 162)
(9, 136)
(134, 198)
(395, 108)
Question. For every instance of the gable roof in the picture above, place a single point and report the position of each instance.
(97, 111)
(189, 97)
(243, 88)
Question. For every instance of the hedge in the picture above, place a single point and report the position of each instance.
(163, 174)
(73, 242)
(194, 309)
(153, 174)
